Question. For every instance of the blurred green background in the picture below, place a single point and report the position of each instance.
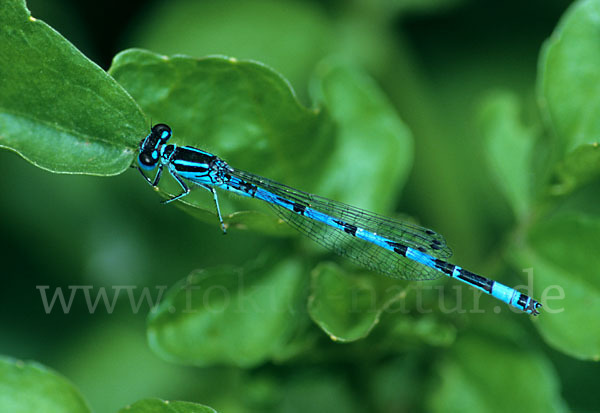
(437, 61)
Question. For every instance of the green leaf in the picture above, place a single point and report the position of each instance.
(58, 109)
(562, 251)
(399, 382)
(509, 146)
(164, 406)
(348, 306)
(392, 8)
(290, 37)
(317, 390)
(373, 149)
(569, 79)
(484, 376)
(30, 387)
(579, 168)
(426, 329)
(569, 95)
(226, 315)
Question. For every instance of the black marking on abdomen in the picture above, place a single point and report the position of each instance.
(348, 228)
(398, 248)
(285, 201)
(522, 300)
(476, 280)
(248, 188)
(300, 209)
(444, 267)
(296, 207)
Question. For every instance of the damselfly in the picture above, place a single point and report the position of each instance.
(391, 247)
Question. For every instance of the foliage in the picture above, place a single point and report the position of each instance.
(262, 314)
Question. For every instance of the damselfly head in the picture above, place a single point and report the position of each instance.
(150, 146)
(162, 132)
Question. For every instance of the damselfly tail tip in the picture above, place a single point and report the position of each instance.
(534, 307)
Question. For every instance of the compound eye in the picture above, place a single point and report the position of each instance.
(148, 160)
(162, 131)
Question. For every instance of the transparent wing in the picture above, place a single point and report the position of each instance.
(360, 251)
